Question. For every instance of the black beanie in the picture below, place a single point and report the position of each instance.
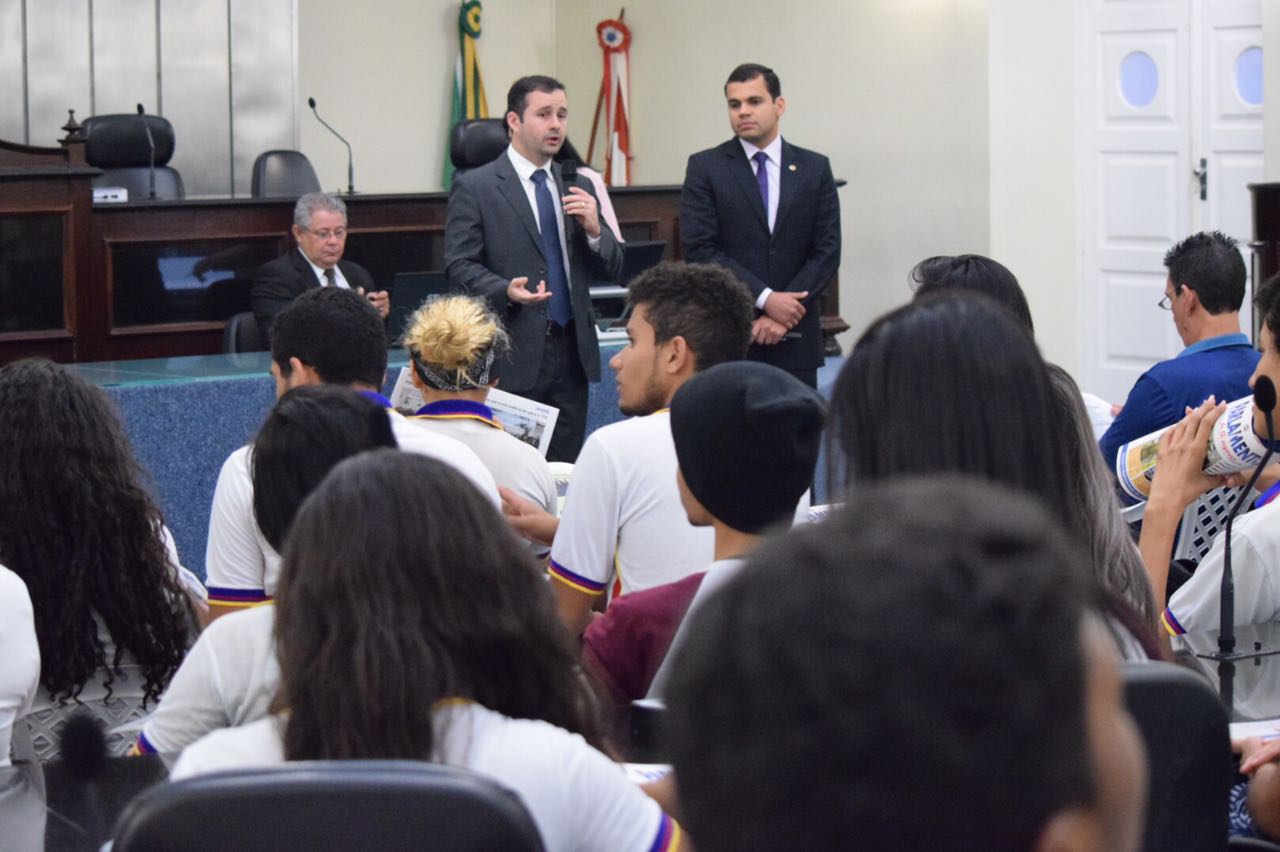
(747, 437)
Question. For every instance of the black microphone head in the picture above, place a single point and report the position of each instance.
(1264, 394)
(141, 111)
(84, 747)
(311, 102)
(569, 172)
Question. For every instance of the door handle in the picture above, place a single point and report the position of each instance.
(1203, 174)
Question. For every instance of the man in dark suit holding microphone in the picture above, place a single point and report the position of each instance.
(767, 211)
(516, 235)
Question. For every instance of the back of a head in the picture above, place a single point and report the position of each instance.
(80, 529)
(1093, 513)
(454, 342)
(889, 679)
(309, 430)
(701, 302)
(753, 480)
(974, 273)
(401, 586)
(1266, 301)
(948, 383)
(1210, 264)
(335, 331)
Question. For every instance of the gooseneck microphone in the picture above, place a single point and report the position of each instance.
(351, 179)
(151, 143)
(1264, 398)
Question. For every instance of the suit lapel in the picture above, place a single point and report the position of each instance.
(745, 176)
(509, 186)
(789, 179)
(301, 264)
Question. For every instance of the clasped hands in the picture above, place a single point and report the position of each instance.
(582, 206)
(782, 312)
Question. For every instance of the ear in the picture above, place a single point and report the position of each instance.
(303, 374)
(512, 120)
(678, 357)
(781, 104)
(297, 233)
(1193, 299)
(1073, 830)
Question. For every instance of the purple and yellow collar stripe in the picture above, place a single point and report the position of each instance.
(376, 398)
(572, 580)
(142, 746)
(237, 597)
(458, 409)
(668, 838)
(1267, 496)
(1171, 624)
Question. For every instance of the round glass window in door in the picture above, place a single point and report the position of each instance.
(1249, 76)
(1139, 79)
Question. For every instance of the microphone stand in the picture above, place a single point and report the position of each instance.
(351, 179)
(151, 143)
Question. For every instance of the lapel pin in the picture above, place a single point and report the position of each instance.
(791, 168)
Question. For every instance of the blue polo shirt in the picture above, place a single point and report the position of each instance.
(1219, 366)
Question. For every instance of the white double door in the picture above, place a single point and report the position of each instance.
(1170, 134)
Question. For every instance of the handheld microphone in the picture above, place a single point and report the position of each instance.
(351, 180)
(151, 143)
(569, 173)
(1264, 397)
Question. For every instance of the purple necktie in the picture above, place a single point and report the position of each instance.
(762, 178)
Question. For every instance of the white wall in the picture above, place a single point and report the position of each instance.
(1271, 87)
(382, 74)
(1031, 56)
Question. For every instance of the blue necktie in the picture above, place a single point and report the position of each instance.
(762, 178)
(561, 308)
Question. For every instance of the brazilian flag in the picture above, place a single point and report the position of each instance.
(468, 89)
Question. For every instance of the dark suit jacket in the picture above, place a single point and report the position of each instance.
(282, 280)
(723, 220)
(492, 237)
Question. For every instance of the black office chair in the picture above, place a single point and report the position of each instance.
(476, 141)
(242, 334)
(330, 805)
(283, 174)
(1189, 756)
(118, 145)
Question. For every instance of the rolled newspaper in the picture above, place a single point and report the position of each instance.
(1233, 446)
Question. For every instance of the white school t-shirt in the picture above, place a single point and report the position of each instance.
(578, 797)
(243, 569)
(19, 656)
(227, 679)
(623, 518)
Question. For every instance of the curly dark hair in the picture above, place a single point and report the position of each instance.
(334, 331)
(1266, 302)
(701, 302)
(912, 679)
(83, 533)
(401, 586)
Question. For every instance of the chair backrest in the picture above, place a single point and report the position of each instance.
(118, 145)
(476, 141)
(1201, 523)
(1184, 726)
(330, 805)
(283, 174)
(242, 334)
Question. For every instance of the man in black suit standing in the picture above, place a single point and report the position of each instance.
(320, 230)
(517, 236)
(767, 211)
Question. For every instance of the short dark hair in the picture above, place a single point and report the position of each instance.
(518, 94)
(408, 543)
(701, 302)
(310, 429)
(1209, 263)
(1266, 302)
(939, 385)
(862, 678)
(748, 71)
(334, 331)
(975, 273)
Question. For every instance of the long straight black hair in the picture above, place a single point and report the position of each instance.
(402, 586)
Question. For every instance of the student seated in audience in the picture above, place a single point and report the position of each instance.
(1204, 290)
(19, 657)
(455, 343)
(231, 673)
(952, 383)
(399, 576)
(623, 524)
(920, 671)
(1255, 542)
(114, 609)
(739, 487)
(327, 335)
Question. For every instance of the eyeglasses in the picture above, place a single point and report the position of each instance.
(340, 233)
(1164, 304)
